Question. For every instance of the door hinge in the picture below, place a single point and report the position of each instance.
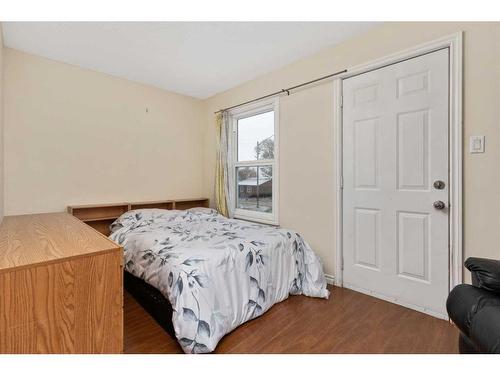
(341, 182)
(341, 101)
(342, 264)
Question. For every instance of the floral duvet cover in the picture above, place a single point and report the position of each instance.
(216, 272)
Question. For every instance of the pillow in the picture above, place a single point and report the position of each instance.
(203, 210)
(134, 216)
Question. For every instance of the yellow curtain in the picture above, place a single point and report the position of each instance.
(220, 174)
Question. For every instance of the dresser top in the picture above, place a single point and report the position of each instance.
(28, 240)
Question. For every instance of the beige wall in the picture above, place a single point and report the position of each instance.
(307, 174)
(1, 129)
(74, 136)
(77, 136)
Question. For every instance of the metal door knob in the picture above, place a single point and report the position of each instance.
(438, 184)
(439, 205)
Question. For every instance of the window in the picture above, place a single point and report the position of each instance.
(254, 162)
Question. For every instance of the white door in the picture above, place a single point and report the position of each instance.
(395, 171)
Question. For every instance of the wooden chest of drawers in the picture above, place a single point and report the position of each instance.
(61, 287)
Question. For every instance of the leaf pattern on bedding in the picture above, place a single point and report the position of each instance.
(216, 272)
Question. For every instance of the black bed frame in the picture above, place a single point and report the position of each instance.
(151, 300)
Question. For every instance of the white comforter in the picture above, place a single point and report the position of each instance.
(216, 272)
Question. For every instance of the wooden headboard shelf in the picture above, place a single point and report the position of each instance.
(165, 205)
(184, 204)
(100, 216)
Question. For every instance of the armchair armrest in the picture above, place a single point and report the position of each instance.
(485, 273)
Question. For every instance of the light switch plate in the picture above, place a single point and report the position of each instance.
(476, 145)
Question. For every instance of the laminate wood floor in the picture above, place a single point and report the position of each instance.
(349, 322)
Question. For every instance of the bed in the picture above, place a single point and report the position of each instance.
(216, 273)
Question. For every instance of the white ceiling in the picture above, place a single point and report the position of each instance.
(198, 59)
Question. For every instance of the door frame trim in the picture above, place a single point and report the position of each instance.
(454, 43)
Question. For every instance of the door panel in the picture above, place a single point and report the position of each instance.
(366, 238)
(412, 150)
(395, 145)
(366, 144)
(413, 250)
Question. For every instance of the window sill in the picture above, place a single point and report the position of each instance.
(257, 220)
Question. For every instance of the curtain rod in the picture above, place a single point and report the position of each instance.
(287, 91)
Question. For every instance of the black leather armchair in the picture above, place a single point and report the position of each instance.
(475, 309)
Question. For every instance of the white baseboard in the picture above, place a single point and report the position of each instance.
(435, 314)
(330, 279)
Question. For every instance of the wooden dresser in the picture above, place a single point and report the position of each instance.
(61, 287)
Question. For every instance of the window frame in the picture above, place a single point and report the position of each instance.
(238, 114)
